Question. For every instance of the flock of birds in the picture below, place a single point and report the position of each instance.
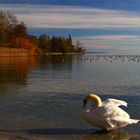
(112, 58)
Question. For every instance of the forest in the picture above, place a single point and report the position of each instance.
(13, 34)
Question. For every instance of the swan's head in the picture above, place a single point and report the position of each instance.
(92, 97)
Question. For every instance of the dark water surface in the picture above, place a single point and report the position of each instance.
(41, 98)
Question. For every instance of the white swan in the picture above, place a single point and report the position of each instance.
(107, 114)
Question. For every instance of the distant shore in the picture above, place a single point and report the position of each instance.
(6, 52)
(63, 53)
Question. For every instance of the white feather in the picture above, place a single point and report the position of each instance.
(114, 102)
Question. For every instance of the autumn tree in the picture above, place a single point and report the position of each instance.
(19, 30)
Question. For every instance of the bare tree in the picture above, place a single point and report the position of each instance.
(7, 22)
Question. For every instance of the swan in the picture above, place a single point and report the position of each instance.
(107, 114)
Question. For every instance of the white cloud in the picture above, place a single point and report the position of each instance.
(43, 16)
(110, 38)
(116, 42)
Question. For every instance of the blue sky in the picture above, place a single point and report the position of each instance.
(107, 4)
(100, 25)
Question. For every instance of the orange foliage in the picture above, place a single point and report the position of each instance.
(26, 43)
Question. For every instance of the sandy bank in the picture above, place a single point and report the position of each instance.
(13, 52)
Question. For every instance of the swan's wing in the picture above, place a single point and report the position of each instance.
(117, 122)
(114, 102)
(106, 116)
(115, 111)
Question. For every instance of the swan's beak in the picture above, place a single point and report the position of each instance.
(84, 102)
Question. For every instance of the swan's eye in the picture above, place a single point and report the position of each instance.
(84, 102)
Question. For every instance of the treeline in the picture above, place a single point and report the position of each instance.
(13, 34)
(59, 44)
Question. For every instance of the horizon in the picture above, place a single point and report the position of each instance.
(98, 24)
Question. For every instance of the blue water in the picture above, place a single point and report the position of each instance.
(42, 96)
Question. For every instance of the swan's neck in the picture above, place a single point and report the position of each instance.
(96, 99)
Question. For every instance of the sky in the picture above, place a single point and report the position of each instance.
(100, 25)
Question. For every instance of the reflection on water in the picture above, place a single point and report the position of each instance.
(58, 60)
(113, 135)
(15, 69)
(13, 73)
(67, 134)
(20, 66)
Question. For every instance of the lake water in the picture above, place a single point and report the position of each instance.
(41, 98)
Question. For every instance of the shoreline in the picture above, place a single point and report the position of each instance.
(64, 53)
(21, 52)
(8, 52)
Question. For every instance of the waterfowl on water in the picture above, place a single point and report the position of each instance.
(107, 114)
